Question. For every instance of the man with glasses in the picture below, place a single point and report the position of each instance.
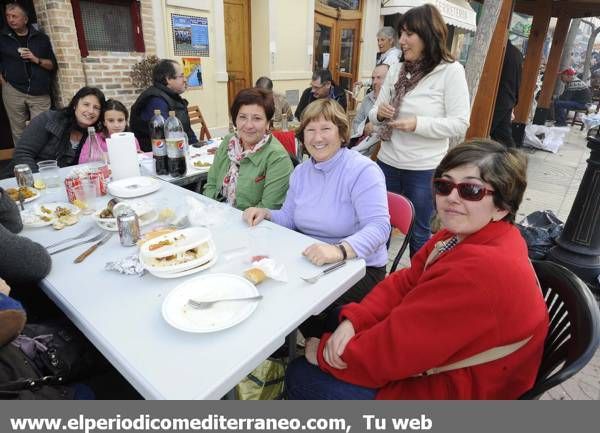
(164, 95)
(321, 86)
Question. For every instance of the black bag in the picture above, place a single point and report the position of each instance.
(58, 354)
(540, 230)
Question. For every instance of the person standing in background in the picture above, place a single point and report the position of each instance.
(508, 96)
(27, 64)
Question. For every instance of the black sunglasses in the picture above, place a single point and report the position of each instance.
(466, 191)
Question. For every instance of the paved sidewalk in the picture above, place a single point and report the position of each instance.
(553, 180)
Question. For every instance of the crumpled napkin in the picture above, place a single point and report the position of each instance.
(130, 265)
(272, 269)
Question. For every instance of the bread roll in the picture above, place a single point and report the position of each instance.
(255, 275)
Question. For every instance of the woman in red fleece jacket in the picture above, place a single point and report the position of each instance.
(470, 288)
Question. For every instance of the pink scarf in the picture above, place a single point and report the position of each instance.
(410, 74)
(236, 152)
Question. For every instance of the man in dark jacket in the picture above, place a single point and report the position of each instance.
(508, 96)
(27, 64)
(321, 86)
(164, 95)
(576, 96)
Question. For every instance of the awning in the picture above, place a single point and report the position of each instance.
(455, 12)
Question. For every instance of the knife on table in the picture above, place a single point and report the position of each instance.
(85, 241)
(91, 249)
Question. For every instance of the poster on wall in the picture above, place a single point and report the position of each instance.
(190, 35)
(192, 69)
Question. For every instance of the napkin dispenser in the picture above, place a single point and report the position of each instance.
(122, 154)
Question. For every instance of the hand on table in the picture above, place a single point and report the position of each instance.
(321, 254)
(310, 350)
(254, 215)
(335, 346)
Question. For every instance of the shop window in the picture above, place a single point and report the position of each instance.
(342, 4)
(108, 25)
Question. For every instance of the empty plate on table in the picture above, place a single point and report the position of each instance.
(45, 214)
(133, 186)
(222, 315)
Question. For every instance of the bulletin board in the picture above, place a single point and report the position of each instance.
(190, 35)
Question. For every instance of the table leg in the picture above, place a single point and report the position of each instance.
(291, 342)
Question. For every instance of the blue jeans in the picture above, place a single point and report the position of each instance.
(415, 185)
(562, 107)
(304, 381)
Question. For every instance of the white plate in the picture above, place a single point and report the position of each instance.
(27, 200)
(170, 275)
(31, 217)
(220, 316)
(181, 267)
(133, 186)
(142, 208)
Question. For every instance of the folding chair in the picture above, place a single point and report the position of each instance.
(402, 217)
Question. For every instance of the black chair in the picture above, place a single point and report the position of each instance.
(574, 332)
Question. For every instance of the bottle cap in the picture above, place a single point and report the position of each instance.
(156, 111)
(171, 113)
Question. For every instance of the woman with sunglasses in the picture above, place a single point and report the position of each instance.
(423, 102)
(466, 321)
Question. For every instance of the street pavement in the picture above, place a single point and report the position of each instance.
(553, 180)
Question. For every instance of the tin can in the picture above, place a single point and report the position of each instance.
(23, 175)
(71, 183)
(129, 228)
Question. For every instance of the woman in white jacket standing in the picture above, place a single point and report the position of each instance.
(423, 102)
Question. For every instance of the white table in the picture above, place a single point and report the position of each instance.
(121, 315)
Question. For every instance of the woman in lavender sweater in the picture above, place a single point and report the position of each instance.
(339, 198)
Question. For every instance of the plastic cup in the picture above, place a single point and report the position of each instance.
(85, 196)
(49, 173)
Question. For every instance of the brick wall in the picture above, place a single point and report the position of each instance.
(107, 70)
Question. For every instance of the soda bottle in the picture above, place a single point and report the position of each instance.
(159, 146)
(174, 129)
(97, 158)
(176, 156)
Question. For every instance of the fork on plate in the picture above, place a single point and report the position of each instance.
(203, 305)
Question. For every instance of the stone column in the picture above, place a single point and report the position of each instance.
(579, 245)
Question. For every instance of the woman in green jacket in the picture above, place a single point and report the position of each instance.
(251, 168)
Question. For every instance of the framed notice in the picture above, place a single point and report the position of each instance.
(190, 35)
(192, 69)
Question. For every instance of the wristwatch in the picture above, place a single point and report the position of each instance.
(343, 250)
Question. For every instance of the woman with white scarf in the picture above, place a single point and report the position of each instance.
(251, 168)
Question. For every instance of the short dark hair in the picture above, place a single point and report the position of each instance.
(322, 74)
(264, 83)
(253, 96)
(69, 110)
(504, 169)
(427, 22)
(164, 69)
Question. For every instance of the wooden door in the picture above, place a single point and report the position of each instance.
(347, 53)
(237, 45)
(336, 44)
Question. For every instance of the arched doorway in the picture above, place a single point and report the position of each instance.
(337, 39)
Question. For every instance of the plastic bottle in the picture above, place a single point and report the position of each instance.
(97, 158)
(159, 145)
(176, 146)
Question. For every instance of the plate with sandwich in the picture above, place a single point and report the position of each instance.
(179, 253)
(222, 315)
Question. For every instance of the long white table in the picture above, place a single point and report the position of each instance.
(121, 314)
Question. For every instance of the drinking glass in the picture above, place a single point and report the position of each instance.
(49, 173)
(85, 195)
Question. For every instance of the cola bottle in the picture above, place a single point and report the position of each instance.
(159, 145)
(176, 156)
(174, 129)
